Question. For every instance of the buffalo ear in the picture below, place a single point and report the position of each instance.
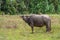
(21, 16)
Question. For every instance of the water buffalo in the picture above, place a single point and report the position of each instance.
(38, 21)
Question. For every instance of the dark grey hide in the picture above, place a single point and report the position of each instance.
(38, 21)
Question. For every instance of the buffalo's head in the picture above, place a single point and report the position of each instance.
(25, 18)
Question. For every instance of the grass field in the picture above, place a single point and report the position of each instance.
(12, 27)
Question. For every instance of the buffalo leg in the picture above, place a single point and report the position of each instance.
(48, 27)
(32, 29)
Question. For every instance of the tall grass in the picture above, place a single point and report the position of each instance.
(12, 27)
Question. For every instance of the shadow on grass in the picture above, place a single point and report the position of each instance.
(30, 33)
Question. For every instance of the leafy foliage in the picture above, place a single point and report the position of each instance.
(29, 6)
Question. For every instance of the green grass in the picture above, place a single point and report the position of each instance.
(12, 27)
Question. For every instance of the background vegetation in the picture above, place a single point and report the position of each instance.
(29, 6)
